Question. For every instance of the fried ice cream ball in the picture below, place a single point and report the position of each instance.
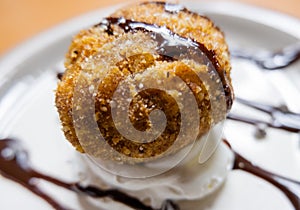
(128, 49)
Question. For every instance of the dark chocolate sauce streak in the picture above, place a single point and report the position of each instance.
(282, 117)
(271, 61)
(14, 165)
(259, 122)
(170, 51)
(59, 75)
(289, 187)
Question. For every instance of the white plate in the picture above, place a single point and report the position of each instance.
(27, 112)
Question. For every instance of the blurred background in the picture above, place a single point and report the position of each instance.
(22, 19)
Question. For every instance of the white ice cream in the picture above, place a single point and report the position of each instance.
(188, 181)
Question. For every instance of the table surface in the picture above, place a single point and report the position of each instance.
(22, 19)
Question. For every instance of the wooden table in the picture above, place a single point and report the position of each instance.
(22, 19)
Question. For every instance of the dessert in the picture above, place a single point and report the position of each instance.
(122, 74)
(139, 48)
(142, 94)
(14, 165)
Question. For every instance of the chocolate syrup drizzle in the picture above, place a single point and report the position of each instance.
(271, 61)
(15, 165)
(59, 75)
(289, 187)
(282, 117)
(167, 49)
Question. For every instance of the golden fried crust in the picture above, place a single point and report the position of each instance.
(84, 45)
(85, 49)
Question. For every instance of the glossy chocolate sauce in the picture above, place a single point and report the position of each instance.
(289, 187)
(59, 75)
(271, 61)
(170, 51)
(15, 165)
(281, 117)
